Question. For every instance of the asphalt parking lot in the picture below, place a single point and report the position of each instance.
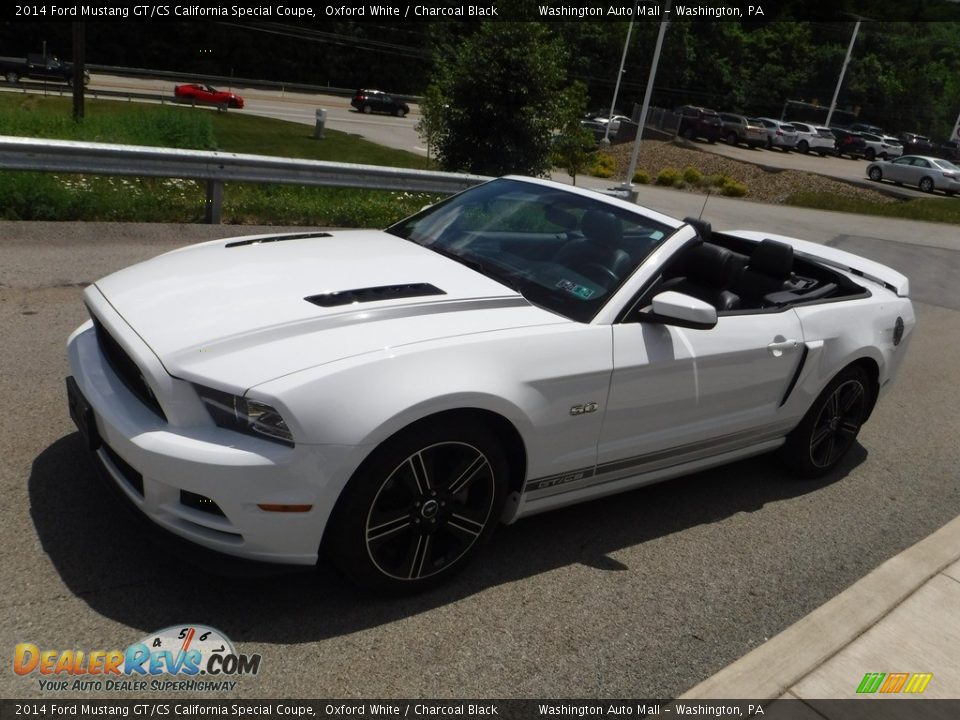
(639, 595)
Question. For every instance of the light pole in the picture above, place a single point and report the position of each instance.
(616, 87)
(843, 70)
(628, 181)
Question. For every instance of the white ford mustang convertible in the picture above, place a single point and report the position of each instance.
(388, 397)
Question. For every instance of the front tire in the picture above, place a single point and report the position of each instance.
(419, 507)
(876, 174)
(830, 427)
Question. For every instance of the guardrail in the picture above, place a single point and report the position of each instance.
(216, 168)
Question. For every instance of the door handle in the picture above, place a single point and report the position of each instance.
(777, 348)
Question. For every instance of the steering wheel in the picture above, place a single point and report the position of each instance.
(606, 277)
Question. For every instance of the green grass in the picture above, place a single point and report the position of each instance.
(45, 196)
(943, 210)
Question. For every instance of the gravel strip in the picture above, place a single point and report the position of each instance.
(764, 185)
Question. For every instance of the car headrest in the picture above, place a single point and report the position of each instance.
(773, 258)
(602, 227)
(709, 265)
(703, 228)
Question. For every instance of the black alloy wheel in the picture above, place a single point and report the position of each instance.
(831, 425)
(418, 510)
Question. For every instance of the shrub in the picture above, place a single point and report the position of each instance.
(733, 188)
(692, 176)
(669, 176)
(641, 177)
(603, 166)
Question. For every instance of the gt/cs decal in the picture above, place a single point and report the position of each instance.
(584, 408)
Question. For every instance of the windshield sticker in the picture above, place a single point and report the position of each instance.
(580, 291)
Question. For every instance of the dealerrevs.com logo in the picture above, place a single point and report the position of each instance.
(193, 658)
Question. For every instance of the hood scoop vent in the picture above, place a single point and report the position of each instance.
(372, 294)
(277, 238)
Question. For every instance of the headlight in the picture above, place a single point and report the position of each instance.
(250, 417)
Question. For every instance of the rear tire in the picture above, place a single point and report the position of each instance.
(803, 146)
(732, 139)
(366, 109)
(419, 508)
(12, 77)
(830, 427)
(926, 185)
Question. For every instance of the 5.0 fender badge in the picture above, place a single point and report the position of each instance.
(584, 408)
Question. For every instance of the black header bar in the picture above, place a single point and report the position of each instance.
(304, 11)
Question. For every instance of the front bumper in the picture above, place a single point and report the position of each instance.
(204, 483)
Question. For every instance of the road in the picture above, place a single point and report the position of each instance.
(297, 107)
(401, 133)
(639, 595)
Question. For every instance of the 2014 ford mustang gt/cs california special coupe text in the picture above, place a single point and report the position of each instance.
(388, 397)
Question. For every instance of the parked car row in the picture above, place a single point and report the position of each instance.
(857, 141)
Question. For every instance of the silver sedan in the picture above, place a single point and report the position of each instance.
(927, 173)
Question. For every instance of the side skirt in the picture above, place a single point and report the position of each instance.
(578, 486)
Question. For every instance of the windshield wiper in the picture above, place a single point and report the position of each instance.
(493, 270)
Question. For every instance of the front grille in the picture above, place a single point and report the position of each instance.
(125, 368)
(133, 478)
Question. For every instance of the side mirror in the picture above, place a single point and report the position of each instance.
(673, 308)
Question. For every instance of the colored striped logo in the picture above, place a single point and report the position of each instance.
(914, 683)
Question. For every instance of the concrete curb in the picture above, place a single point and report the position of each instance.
(781, 662)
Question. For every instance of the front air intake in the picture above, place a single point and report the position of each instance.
(373, 294)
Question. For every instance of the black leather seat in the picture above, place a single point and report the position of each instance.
(768, 271)
(598, 255)
(706, 272)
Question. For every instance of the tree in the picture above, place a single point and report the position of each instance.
(496, 98)
(573, 148)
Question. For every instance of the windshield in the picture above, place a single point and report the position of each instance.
(562, 251)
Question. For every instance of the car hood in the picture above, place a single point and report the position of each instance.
(238, 312)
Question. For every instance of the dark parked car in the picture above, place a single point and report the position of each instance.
(915, 144)
(949, 150)
(367, 101)
(699, 122)
(867, 128)
(849, 143)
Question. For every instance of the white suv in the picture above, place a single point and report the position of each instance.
(811, 138)
(779, 134)
(878, 148)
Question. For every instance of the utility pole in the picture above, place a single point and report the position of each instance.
(843, 70)
(616, 88)
(628, 181)
(79, 68)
